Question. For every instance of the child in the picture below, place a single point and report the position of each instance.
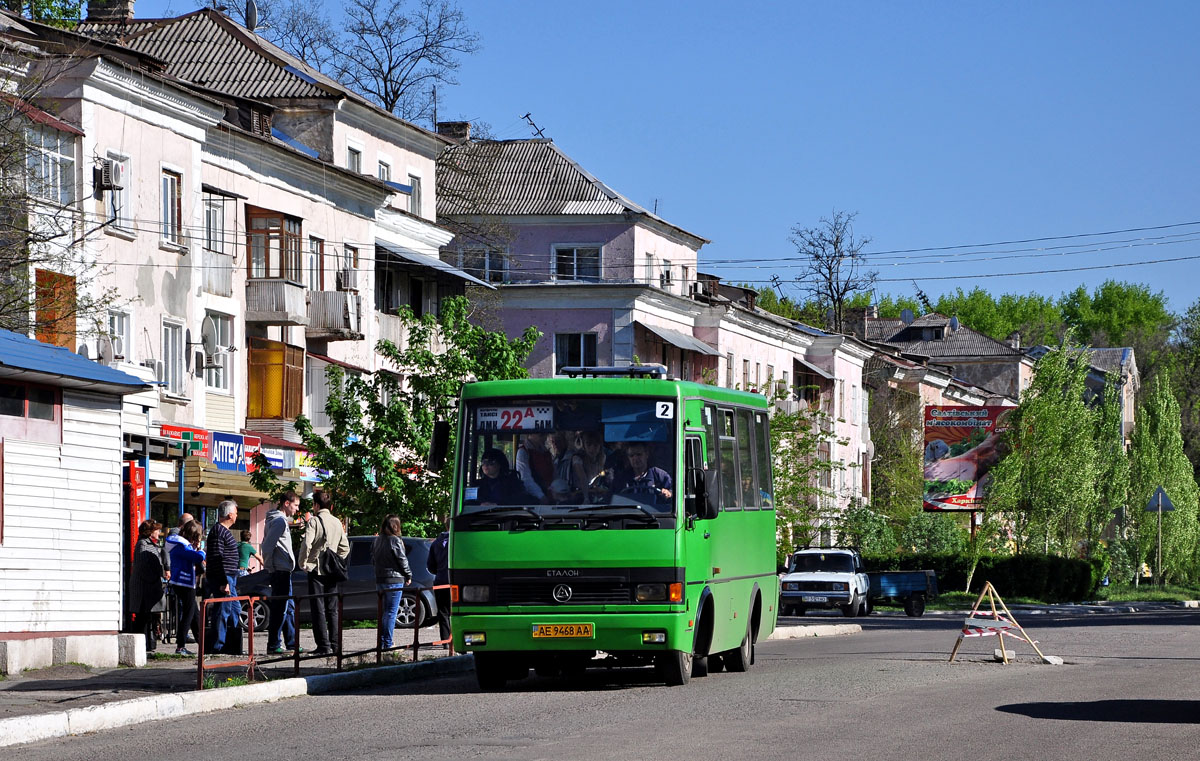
(245, 552)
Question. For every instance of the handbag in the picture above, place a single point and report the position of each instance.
(330, 565)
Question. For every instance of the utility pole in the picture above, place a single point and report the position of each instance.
(536, 129)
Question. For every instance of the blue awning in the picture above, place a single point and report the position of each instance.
(22, 358)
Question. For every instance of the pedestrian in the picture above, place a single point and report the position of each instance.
(323, 530)
(245, 552)
(146, 581)
(392, 573)
(186, 557)
(184, 520)
(221, 574)
(438, 563)
(279, 560)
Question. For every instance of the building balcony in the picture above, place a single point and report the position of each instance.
(276, 301)
(391, 328)
(334, 316)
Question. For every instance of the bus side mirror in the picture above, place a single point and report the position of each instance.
(439, 445)
(701, 501)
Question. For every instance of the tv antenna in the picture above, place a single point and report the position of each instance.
(536, 129)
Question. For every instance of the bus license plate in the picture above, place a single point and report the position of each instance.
(563, 631)
(814, 598)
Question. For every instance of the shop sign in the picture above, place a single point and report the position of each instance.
(308, 471)
(280, 459)
(229, 451)
(198, 439)
(251, 447)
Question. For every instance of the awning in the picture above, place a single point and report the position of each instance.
(814, 369)
(681, 340)
(433, 262)
(202, 479)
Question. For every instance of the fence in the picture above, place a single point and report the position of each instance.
(297, 657)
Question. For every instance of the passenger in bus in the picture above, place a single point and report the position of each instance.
(535, 466)
(588, 464)
(498, 485)
(643, 481)
(560, 454)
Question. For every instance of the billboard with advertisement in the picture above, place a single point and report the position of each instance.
(960, 449)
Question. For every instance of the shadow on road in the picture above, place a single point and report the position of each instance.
(1129, 711)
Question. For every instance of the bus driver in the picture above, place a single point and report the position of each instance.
(642, 481)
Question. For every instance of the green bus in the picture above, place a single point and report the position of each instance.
(643, 534)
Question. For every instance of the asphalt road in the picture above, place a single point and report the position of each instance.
(1128, 690)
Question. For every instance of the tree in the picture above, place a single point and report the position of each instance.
(1186, 375)
(393, 52)
(375, 453)
(1157, 459)
(836, 268)
(1047, 482)
(55, 12)
(933, 533)
(1036, 318)
(797, 439)
(1122, 314)
(860, 526)
(896, 419)
(49, 286)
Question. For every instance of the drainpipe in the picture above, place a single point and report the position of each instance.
(179, 480)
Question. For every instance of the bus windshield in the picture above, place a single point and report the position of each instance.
(557, 456)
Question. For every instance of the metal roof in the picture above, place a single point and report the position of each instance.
(526, 177)
(432, 262)
(680, 340)
(26, 359)
(960, 342)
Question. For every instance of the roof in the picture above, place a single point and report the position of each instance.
(209, 49)
(427, 260)
(960, 342)
(38, 116)
(527, 177)
(24, 358)
(1116, 359)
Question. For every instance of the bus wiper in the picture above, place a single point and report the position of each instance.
(621, 511)
(500, 513)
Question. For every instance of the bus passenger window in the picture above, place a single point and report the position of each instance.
(748, 485)
(762, 461)
(729, 474)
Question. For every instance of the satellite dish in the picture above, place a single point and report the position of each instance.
(251, 15)
(83, 351)
(953, 324)
(208, 336)
(906, 316)
(104, 350)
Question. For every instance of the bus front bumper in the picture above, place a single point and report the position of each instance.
(573, 631)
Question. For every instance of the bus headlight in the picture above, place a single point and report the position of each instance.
(651, 592)
(476, 593)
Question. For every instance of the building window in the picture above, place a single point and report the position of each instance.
(119, 213)
(214, 223)
(385, 171)
(651, 269)
(172, 358)
(172, 207)
(276, 381)
(745, 374)
(275, 243)
(574, 350)
(414, 197)
(577, 263)
(217, 369)
(729, 370)
(51, 165)
(489, 266)
(314, 266)
(783, 386)
(120, 333)
(24, 400)
(55, 308)
(354, 160)
(664, 280)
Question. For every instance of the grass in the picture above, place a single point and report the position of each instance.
(1147, 593)
(167, 656)
(211, 681)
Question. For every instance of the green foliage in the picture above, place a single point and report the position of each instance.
(1186, 377)
(933, 533)
(865, 529)
(376, 449)
(1047, 484)
(1050, 578)
(1122, 314)
(1037, 318)
(796, 438)
(61, 13)
(897, 481)
(808, 312)
(1157, 459)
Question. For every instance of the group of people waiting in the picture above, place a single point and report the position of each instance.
(550, 471)
(182, 562)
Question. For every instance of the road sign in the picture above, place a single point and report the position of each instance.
(1160, 502)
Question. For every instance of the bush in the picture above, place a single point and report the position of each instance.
(1041, 577)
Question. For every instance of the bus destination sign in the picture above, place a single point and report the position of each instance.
(524, 418)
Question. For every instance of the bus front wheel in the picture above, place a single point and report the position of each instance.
(675, 667)
(490, 671)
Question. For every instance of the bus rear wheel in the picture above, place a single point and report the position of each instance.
(740, 658)
(675, 667)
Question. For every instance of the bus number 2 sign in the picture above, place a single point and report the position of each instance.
(527, 418)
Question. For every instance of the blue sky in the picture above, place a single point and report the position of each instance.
(941, 124)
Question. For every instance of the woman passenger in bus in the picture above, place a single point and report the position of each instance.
(588, 464)
(499, 485)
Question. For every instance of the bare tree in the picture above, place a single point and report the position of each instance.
(391, 51)
(836, 267)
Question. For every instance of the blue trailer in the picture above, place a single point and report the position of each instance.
(908, 588)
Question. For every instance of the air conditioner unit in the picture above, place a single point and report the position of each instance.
(112, 175)
(214, 361)
(160, 370)
(347, 279)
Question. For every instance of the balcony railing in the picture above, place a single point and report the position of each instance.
(218, 273)
(276, 301)
(334, 315)
(391, 328)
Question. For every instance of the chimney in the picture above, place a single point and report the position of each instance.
(1013, 340)
(110, 10)
(857, 317)
(457, 131)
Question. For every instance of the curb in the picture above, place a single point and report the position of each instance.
(817, 630)
(26, 729)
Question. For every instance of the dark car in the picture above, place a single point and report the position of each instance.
(360, 600)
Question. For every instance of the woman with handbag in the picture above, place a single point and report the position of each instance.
(392, 573)
(146, 581)
(186, 557)
(324, 535)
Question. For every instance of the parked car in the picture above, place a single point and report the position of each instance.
(360, 600)
(825, 578)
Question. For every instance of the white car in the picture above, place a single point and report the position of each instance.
(824, 578)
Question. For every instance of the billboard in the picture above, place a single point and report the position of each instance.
(960, 449)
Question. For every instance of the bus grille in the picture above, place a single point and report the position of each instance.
(537, 592)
